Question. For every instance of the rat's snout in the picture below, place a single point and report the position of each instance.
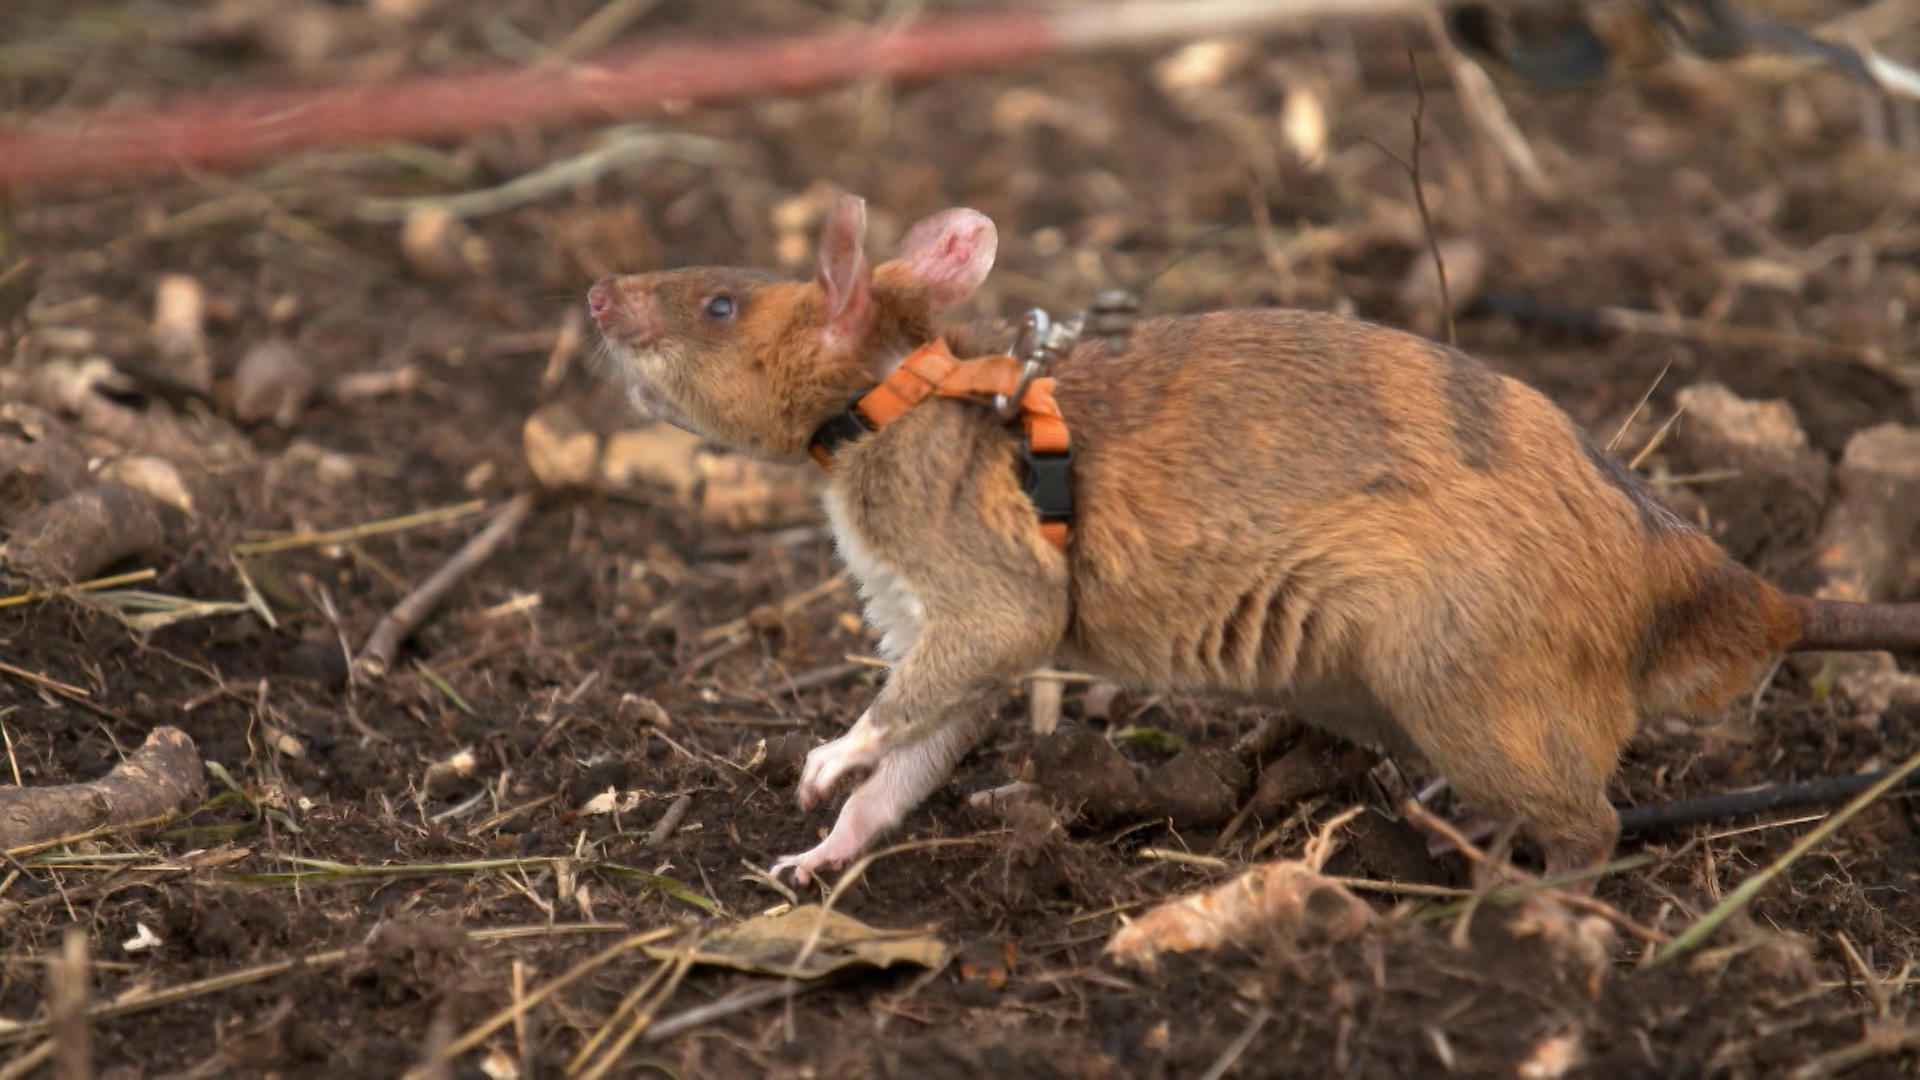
(625, 310)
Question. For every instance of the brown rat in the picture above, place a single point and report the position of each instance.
(1283, 506)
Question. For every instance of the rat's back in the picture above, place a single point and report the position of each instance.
(1299, 497)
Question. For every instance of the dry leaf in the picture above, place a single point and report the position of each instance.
(770, 944)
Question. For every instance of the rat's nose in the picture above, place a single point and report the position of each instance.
(625, 309)
(599, 299)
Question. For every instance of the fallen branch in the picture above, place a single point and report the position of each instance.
(163, 777)
(219, 132)
(394, 627)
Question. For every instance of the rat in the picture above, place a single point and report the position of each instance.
(1277, 506)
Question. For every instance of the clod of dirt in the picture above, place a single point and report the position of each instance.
(1769, 511)
(1585, 941)
(661, 454)
(1318, 762)
(562, 451)
(732, 490)
(321, 660)
(740, 492)
(785, 754)
(1864, 553)
(1197, 788)
(273, 382)
(615, 773)
(440, 247)
(179, 332)
(38, 461)
(1286, 898)
(1374, 845)
(1082, 772)
(413, 960)
(1869, 531)
(73, 539)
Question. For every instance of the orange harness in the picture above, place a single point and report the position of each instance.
(1046, 451)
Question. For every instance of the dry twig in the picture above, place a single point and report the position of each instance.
(376, 657)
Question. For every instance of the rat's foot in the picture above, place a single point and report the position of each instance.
(830, 854)
(859, 748)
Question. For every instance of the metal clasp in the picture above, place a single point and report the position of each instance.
(1039, 343)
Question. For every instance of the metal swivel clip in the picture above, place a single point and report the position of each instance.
(1041, 341)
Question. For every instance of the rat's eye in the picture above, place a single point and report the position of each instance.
(719, 308)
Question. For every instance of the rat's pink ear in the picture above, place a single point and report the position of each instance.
(843, 273)
(948, 254)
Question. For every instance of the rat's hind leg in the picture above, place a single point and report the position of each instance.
(1523, 759)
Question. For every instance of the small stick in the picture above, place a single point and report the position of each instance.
(68, 983)
(626, 1005)
(25, 1064)
(112, 581)
(437, 516)
(1659, 437)
(1238, 1046)
(394, 627)
(669, 821)
(1420, 197)
(1748, 889)
(1639, 405)
(498, 1020)
(1412, 169)
(36, 679)
(731, 1005)
(644, 1016)
(1628, 320)
(788, 606)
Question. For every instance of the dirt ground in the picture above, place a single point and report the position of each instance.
(624, 642)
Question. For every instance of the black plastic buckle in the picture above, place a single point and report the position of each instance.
(847, 424)
(1048, 481)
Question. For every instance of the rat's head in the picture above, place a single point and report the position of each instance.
(759, 362)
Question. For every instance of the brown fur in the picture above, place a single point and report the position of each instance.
(1273, 505)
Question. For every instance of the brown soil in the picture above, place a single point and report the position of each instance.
(1675, 183)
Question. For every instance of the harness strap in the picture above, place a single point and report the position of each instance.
(1046, 449)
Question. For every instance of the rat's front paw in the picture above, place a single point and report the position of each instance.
(859, 748)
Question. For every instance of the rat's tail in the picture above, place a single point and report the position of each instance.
(1845, 626)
